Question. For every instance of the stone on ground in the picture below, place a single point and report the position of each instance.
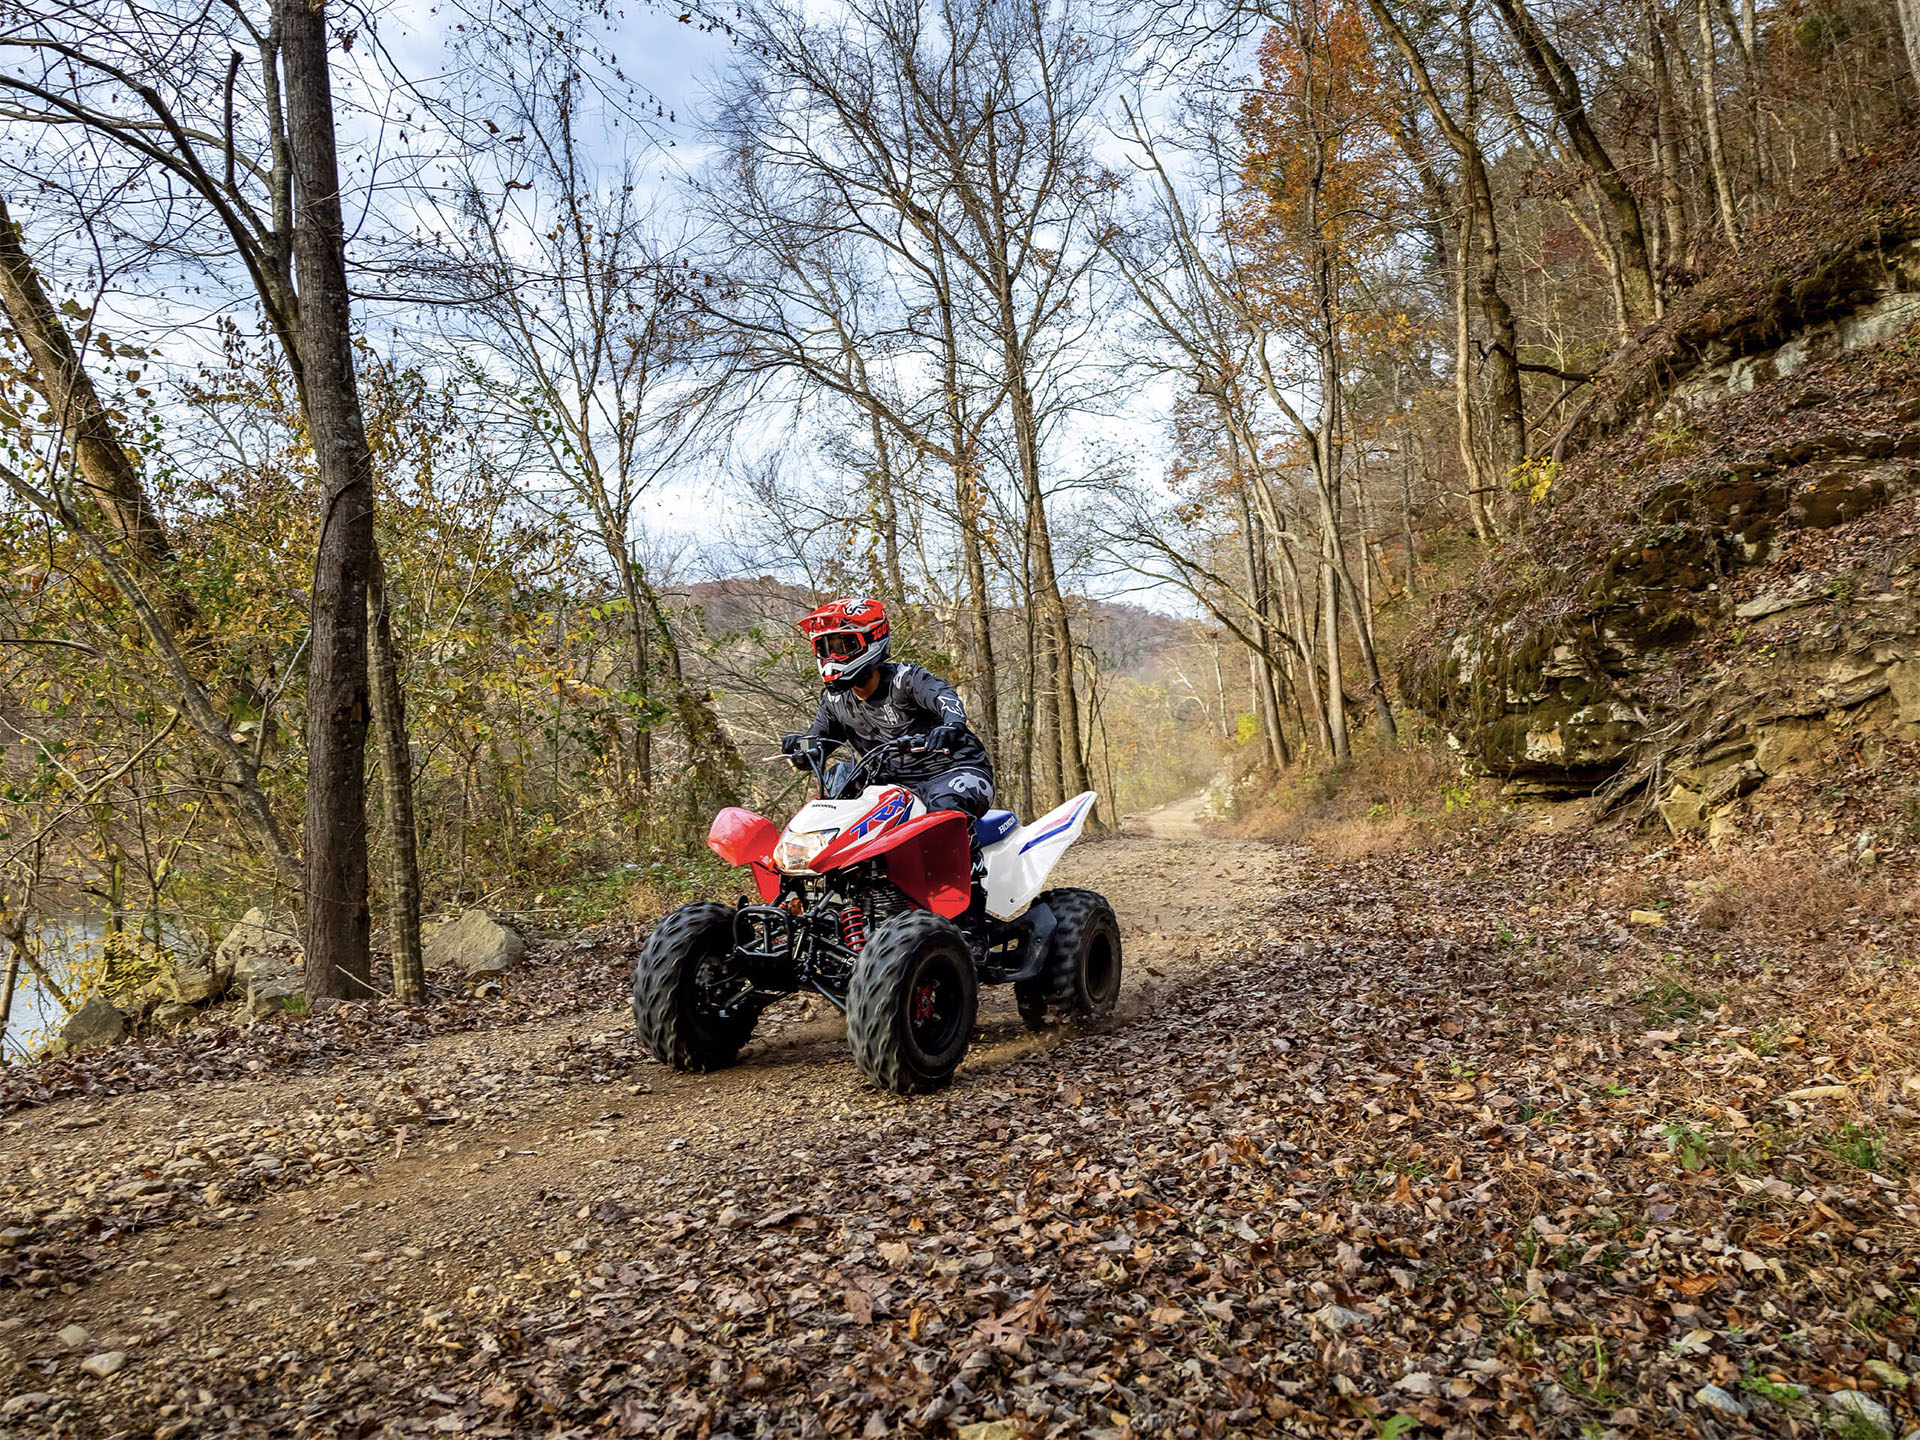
(272, 994)
(475, 945)
(94, 1026)
(257, 948)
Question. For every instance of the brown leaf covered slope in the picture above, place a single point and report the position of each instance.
(1443, 1136)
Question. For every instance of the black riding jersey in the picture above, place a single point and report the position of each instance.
(907, 701)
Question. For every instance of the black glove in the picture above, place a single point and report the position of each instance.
(803, 750)
(945, 737)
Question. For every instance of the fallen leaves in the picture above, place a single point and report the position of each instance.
(1385, 1161)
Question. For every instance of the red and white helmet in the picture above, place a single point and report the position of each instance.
(849, 640)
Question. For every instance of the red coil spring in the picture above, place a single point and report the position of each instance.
(853, 927)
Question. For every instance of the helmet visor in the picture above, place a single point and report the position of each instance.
(838, 645)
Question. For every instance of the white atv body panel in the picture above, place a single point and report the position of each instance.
(818, 822)
(1018, 866)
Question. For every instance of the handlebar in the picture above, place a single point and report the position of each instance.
(861, 768)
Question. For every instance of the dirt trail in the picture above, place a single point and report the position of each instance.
(1403, 1135)
(439, 1209)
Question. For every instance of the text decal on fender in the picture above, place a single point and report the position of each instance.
(887, 811)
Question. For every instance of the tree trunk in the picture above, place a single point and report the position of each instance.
(1509, 407)
(1310, 663)
(337, 922)
(1330, 597)
(1716, 149)
(396, 794)
(986, 691)
(1063, 767)
(1477, 510)
(16, 947)
(1562, 87)
(1260, 668)
(107, 475)
(1671, 231)
(1909, 13)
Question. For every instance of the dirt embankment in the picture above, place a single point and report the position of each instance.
(1440, 1135)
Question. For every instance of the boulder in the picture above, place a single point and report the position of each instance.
(258, 948)
(197, 982)
(475, 945)
(1684, 810)
(172, 1015)
(272, 994)
(94, 1026)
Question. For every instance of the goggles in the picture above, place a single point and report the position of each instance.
(838, 645)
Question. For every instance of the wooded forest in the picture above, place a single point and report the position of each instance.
(345, 375)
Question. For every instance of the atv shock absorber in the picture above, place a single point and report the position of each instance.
(853, 926)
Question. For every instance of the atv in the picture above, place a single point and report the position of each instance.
(871, 900)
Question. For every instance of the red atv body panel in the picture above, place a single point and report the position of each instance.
(740, 837)
(930, 859)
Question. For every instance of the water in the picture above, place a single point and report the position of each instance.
(68, 946)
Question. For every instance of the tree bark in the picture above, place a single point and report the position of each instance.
(1716, 148)
(1260, 669)
(1671, 231)
(1477, 510)
(337, 922)
(396, 794)
(108, 476)
(1907, 10)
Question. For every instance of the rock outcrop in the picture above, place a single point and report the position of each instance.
(1726, 585)
(474, 946)
(256, 948)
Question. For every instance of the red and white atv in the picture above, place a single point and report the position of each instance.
(870, 900)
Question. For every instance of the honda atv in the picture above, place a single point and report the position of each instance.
(871, 900)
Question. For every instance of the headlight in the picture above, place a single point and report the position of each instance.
(796, 852)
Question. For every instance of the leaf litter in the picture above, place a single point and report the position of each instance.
(1431, 1143)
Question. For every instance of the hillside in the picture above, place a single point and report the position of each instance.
(1715, 612)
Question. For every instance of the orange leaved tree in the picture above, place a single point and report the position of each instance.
(1317, 214)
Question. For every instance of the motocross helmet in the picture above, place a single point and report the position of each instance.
(849, 640)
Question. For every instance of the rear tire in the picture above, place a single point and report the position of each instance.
(1082, 977)
(686, 957)
(911, 1007)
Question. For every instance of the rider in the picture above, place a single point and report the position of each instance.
(871, 700)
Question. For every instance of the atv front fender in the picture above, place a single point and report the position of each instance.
(740, 837)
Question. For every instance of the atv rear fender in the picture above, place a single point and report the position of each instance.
(930, 859)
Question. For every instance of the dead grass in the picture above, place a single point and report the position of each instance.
(1759, 892)
(1388, 798)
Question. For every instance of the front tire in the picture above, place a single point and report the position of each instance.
(1082, 977)
(679, 987)
(911, 1008)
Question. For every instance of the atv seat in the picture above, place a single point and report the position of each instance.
(995, 826)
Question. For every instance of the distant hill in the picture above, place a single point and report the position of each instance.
(1129, 639)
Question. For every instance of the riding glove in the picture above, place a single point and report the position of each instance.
(945, 737)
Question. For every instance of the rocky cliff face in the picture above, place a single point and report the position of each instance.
(1723, 588)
